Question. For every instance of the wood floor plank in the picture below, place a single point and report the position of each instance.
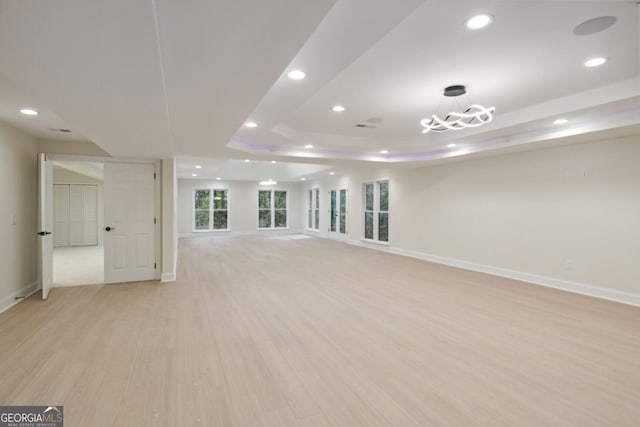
(312, 332)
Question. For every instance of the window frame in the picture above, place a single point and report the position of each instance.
(273, 209)
(211, 210)
(376, 211)
(316, 213)
(313, 209)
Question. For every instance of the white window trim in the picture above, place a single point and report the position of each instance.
(376, 209)
(193, 211)
(273, 214)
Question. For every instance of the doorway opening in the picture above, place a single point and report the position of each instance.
(78, 246)
(114, 205)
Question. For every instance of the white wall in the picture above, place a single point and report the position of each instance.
(243, 206)
(56, 146)
(65, 176)
(18, 187)
(567, 216)
(169, 219)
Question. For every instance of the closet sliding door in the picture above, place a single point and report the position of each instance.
(60, 215)
(76, 215)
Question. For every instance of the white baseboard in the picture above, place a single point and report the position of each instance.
(268, 232)
(314, 233)
(168, 277)
(26, 291)
(565, 285)
(215, 234)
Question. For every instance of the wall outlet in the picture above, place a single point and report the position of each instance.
(568, 264)
(14, 219)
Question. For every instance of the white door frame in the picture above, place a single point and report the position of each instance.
(45, 224)
(158, 195)
(337, 234)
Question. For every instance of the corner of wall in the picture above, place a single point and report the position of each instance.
(168, 277)
(15, 297)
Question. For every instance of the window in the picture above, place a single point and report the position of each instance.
(310, 211)
(317, 209)
(272, 209)
(368, 210)
(313, 213)
(210, 207)
(376, 210)
(383, 211)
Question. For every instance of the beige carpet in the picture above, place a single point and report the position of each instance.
(78, 265)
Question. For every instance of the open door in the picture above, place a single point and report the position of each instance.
(129, 219)
(45, 223)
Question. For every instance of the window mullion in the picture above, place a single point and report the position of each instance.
(211, 216)
(376, 210)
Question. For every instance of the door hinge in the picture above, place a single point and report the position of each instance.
(154, 175)
(154, 221)
(155, 265)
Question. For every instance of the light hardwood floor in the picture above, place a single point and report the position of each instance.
(311, 332)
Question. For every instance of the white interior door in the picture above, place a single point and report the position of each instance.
(129, 217)
(45, 224)
(338, 213)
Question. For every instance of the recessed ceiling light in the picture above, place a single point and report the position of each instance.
(338, 108)
(247, 161)
(594, 62)
(478, 21)
(332, 173)
(308, 146)
(384, 151)
(303, 179)
(560, 121)
(218, 178)
(296, 75)
(198, 166)
(251, 124)
(451, 145)
(273, 162)
(194, 174)
(29, 112)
